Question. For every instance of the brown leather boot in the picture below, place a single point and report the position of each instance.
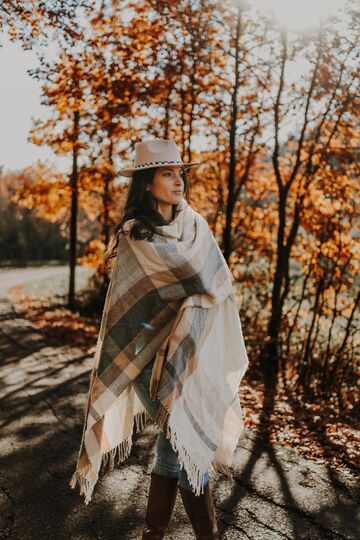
(201, 513)
(161, 502)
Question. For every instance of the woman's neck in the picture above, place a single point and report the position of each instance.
(165, 210)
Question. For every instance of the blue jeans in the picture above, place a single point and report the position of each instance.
(166, 461)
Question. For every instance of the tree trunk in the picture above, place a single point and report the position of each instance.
(226, 240)
(108, 177)
(74, 212)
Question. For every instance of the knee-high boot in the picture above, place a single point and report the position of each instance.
(160, 506)
(201, 513)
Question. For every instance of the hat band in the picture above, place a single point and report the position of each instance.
(156, 162)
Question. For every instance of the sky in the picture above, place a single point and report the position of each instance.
(20, 100)
(20, 94)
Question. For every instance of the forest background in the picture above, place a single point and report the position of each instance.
(272, 113)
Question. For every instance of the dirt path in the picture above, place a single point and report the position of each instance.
(41, 279)
(43, 385)
(20, 276)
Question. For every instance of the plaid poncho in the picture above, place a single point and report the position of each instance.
(171, 297)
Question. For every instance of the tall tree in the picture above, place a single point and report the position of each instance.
(64, 91)
(317, 109)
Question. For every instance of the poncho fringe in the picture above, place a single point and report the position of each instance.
(122, 450)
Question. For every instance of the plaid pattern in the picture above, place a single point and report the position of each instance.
(173, 298)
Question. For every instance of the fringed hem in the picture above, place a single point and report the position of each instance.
(122, 451)
(141, 420)
(86, 487)
(194, 474)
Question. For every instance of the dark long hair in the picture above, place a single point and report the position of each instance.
(140, 205)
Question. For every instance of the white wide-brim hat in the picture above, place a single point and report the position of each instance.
(156, 153)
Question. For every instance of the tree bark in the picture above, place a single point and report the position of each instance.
(74, 212)
(226, 240)
(108, 177)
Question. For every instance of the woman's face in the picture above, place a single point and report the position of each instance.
(168, 184)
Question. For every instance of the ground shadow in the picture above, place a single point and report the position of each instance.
(303, 525)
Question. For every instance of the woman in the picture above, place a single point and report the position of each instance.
(170, 348)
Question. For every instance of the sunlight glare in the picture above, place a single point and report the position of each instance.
(295, 15)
